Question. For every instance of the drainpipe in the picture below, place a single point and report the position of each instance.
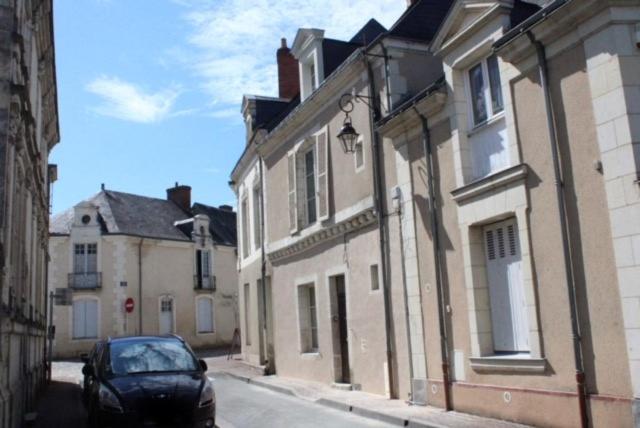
(140, 286)
(437, 259)
(374, 116)
(566, 231)
(263, 271)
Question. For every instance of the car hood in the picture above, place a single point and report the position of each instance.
(158, 393)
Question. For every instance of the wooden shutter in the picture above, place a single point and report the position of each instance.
(509, 317)
(293, 200)
(91, 317)
(79, 322)
(205, 315)
(322, 157)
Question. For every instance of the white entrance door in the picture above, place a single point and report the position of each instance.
(506, 291)
(166, 315)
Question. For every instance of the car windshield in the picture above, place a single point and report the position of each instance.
(150, 356)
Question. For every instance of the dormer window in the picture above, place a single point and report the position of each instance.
(485, 91)
(307, 49)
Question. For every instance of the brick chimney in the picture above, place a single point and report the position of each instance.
(181, 196)
(288, 78)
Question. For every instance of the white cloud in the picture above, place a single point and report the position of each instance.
(234, 42)
(126, 101)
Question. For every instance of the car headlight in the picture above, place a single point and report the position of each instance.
(207, 395)
(108, 400)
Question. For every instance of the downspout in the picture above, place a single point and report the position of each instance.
(565, 228)
(140, 286)
(437, 259)
(374, 116)
(263, 271)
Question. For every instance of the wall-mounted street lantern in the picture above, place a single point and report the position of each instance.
(348, 135)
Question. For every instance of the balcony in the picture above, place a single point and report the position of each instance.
(85, 280)
(204, 282)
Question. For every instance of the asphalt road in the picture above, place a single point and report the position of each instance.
(241, 405)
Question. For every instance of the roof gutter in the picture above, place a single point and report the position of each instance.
(529, 23)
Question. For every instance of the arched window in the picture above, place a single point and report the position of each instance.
(204, 315)
(85, 318)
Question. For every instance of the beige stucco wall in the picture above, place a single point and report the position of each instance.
(250, 323)
(167, 269)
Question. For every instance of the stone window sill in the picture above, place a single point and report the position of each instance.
(311, 356)
(508, 363)
(493, 181)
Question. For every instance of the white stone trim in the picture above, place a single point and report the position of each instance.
(517, 364)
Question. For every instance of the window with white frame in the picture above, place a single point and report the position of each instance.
(485, 91)
(307, 315)
(205, 314)
(85, 319)
(308, 182)
(509, 318)
(257, 227)
(203, 269)
(359, 155)
(310, 185)
(85, 266)
(375, 282)
(247, 316)
(244, 216)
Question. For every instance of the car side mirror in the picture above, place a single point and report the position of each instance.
(84, 358)
(87, 370)
(203, 365)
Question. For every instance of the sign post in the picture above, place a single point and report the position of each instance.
(129, 304)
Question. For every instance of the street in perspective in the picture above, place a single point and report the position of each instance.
(339, 213)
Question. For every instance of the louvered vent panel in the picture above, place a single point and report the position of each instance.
(512, 240)
(491, 250)
(500, 233)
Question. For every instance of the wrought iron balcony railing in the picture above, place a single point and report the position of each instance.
(204, 282)
(85, 280)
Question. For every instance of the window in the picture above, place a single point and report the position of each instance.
(308, 318)
(85, 266)
(359, 155)
(375, 283)
(85, 319)
(245, 227)
(308, 182)
(257, 227)
(203, 269)
(312, 76)
(485, 90)
(247, 307)
(509, 319)
(205, 315)
(310, 186)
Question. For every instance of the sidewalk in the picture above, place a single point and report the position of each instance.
(395, 412)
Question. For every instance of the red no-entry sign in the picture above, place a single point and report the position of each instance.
(129, 305)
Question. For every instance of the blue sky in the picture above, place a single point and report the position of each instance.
(149, 91)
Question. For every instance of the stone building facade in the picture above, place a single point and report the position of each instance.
(28, 132)
(508, 166)
(176, 261)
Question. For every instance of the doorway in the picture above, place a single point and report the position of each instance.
(340, 329)
(166, 315)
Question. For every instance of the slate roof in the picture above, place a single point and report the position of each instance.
(128, 214)
(368, 33)
(422, 20)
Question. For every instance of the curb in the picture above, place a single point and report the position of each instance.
(337, 405)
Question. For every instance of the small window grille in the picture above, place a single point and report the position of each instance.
(166, 305)
(491, 250)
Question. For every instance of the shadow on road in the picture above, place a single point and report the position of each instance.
(61, 406)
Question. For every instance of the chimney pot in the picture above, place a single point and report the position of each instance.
(283, 42)
(181, 196)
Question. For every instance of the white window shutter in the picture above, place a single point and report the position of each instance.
(322, 157)
(91, 317)
(205, 315)
(78, 319)
(293, 200)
